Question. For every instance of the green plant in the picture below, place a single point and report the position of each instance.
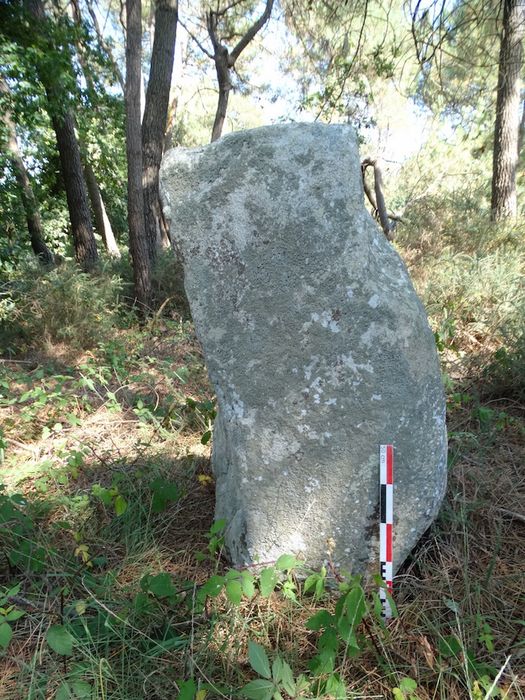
(168, 285)
(316, 583)
(62, 305)
(215, 537)
(9, 613)
(111, 497)
(341, 632)
(205, 413)
(274, 680)
(160, 586)
(164, 492)
(237, 584)
(17, 534)
(405, 690)
(3, 447)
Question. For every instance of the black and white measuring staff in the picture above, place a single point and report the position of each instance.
(386, 523)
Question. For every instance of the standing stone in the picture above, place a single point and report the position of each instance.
(315, 341)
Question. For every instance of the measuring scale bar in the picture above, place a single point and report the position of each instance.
(386, 523)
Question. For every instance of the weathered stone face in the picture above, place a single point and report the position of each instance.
(315, 341)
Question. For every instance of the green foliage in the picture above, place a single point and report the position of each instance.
(339, 628)
(239, 585)
(17, 534)
(274, 681)
(346, 60)
(58, 306)
(164, 493)
(459, 57)
(74, 690)
(405, 690)
(9, 613)
(130, 603)
(316, 583)
(216, 536)
(34, 54)
(111, 497)
(160, 586)
(60, 640)
(168, 284)
(339, 632)
(471, 283)
(91, 529)
(204, 413)
(504, 372)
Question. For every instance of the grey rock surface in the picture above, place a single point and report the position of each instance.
(315, 341)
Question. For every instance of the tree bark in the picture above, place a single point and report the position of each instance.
(102, 222)
(137, 235)
(63, 123)
(377, 199)
(34, 224)
(504, 202)
(86, 253)
(155, 120)
(225, 60)
(521, 133)
(225, 85)
(380, 199)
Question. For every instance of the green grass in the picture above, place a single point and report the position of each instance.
(113, 583)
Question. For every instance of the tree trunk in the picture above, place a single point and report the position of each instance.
(377, 198)
(225, 85)
(69, 151)
(225, 60)
(155, 120)
(142, 95)
(137, 236)
(506, 131)
(521, 133)
(102, 222)
(86, 253)
(34, 224)
(380, 199)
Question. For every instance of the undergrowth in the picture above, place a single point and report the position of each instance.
(470, 276)
(41, 307)
(112, 581)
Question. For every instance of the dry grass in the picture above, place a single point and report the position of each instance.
(465, 580)
(467, 572)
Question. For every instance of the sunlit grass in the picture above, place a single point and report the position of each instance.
(89, 435)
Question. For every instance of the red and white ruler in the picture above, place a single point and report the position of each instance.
(386, 523)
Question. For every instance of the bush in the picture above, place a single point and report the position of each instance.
(168, 284)
(504, 374)
(40, 307)
(469, 274)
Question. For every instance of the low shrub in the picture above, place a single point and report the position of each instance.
(168, 284)
(469, 275)
(39, 307)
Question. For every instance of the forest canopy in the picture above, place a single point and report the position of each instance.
(433, 89)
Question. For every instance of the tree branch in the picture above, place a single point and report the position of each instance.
(192, 36)
(211, 25)
(104, 44)
(378, 201)
(252, 31)
(352, 62)
(221, 12)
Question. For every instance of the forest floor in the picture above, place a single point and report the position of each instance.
(112, 583)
